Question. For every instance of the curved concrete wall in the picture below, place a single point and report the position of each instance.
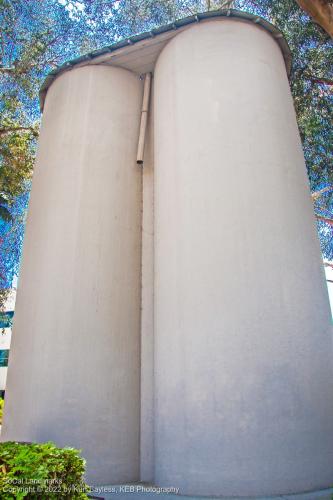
(74, 369)
(243, 345)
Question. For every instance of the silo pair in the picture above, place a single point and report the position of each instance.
(242, 356)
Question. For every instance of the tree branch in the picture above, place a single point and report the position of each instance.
(322, 81)
(8, 130)
(325, 219)
(6, 70)
(318, 194)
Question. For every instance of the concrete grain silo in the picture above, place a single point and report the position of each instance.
(173, 320)
(75, 363)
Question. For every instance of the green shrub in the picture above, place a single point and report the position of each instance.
(38, 471)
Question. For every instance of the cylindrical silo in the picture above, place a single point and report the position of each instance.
(243, 344)
(74, 369)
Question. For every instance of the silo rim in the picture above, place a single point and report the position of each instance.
(172, 27)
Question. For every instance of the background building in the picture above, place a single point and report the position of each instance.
(6, 319)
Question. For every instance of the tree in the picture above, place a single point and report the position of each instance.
(11, 240)
(21, 64)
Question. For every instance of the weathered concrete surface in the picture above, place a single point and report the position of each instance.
(243, 339)
(147, 308)
(74, 369)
